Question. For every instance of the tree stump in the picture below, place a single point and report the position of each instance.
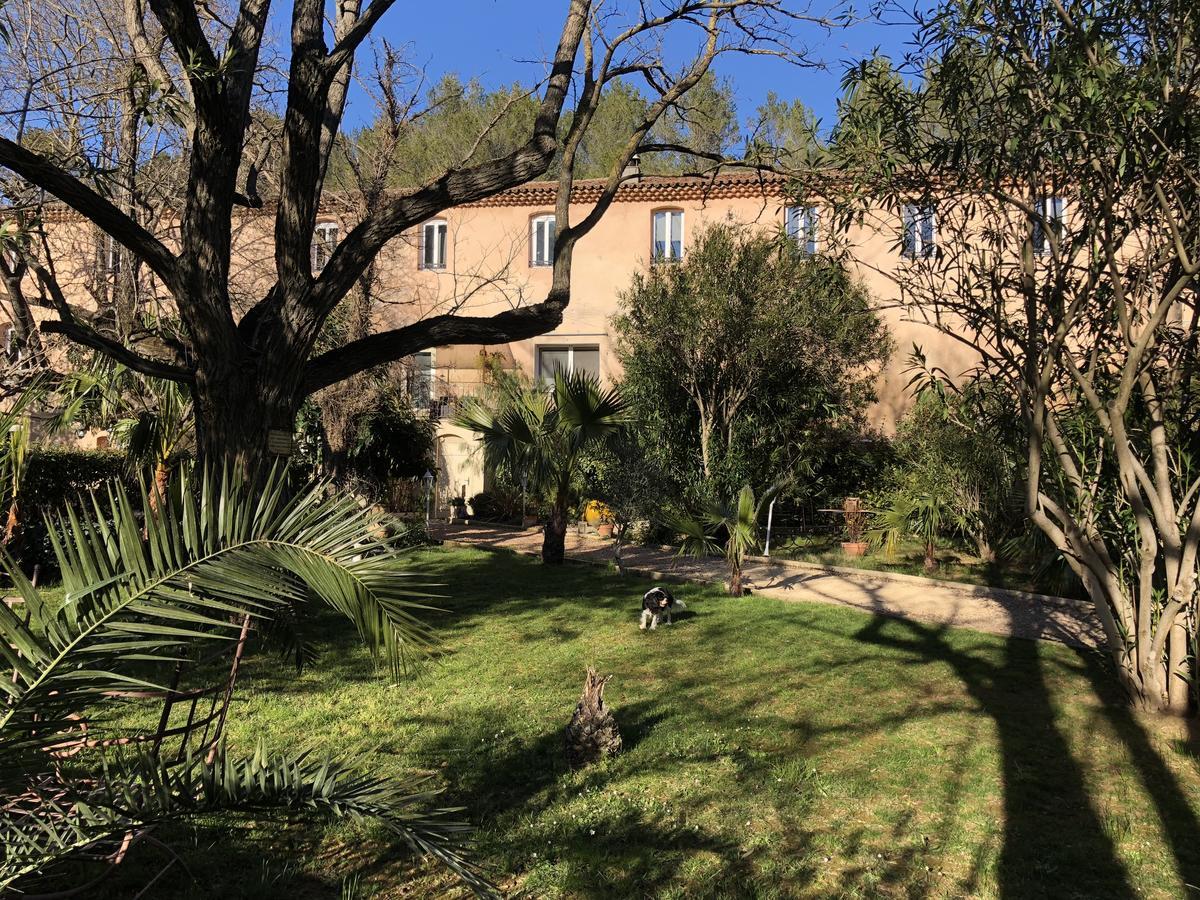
(592, 733)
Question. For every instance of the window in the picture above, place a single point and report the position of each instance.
(1049, 212)
(419, 377)
(541, 241)
(801, 224)
(668, 234)
(433, 245)
(112, 255)
(920, 231)
(552, 360)
(325, 238)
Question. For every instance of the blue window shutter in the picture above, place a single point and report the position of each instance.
(927, 235)
(810, 230)
(910, 231)
(551, 234)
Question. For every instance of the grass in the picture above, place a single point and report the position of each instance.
(909, 559)
(773, 749)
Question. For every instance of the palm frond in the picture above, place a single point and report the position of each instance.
(142, 585)
(140, 789)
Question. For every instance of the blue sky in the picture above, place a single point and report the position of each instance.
(500, 41)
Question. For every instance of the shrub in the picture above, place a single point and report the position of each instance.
(53, 478)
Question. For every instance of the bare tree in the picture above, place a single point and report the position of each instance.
(248, 373)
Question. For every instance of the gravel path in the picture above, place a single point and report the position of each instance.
(995, 611)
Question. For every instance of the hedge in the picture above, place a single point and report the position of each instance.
(55, 477)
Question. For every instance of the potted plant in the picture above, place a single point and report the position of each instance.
(458, 509)
(855, 521)
(604, 525)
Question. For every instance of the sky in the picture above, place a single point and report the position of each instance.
(502, 41)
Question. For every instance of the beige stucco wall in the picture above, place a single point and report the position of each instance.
(488, 270)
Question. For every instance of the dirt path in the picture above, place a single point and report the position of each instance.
(1007, 613)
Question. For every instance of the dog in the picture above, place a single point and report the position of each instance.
(656, 606)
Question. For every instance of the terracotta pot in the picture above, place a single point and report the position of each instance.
(855, 548)
(605, 529)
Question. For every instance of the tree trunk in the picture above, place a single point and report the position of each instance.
(736, 588)
(158, 490)
(237, 410)
(592, 733)
(930, 557)
(13, 525)
(554, 539)
(1180, 669)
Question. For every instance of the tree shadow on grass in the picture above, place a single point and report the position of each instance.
(1177, 817)
(1055, 843)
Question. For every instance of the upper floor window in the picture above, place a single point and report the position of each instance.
(1049, 213)
(920, 231)
(668, 234)
(552, 360)
(325, 238)
(433, 244)
(801, 224)
(541, 241)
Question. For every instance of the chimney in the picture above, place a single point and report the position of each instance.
(633, 169)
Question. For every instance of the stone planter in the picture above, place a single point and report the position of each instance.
(605, 530)
(855, 548)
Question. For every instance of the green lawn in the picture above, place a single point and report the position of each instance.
(773, 750)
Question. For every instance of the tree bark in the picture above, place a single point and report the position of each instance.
(554, 539)
(736, 587)
(592, 733)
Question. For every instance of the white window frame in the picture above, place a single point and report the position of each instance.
(914, 217)
(570, 348)
(670, 217)
(1053, 213)
(801, 224)
(541, 249)
(440, 232)
(113, 254)
(325, 238)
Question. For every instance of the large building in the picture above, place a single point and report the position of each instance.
(483, 257)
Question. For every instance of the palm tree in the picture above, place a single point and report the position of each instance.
(143, 591)
(543, 434)
(735, 523)
(151, 417)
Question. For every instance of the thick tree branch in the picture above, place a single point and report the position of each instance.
(377, 349)
(40, 171)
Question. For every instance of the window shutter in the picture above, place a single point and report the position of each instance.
(551, 235)
(791, 221)
(810, 230)
(440, 262)
(421, 247)
(910, 232)
(928, 243)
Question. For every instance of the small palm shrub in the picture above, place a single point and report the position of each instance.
(726, 528)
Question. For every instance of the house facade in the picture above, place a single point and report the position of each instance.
(485, 257)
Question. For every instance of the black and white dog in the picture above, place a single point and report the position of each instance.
(656, 605)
